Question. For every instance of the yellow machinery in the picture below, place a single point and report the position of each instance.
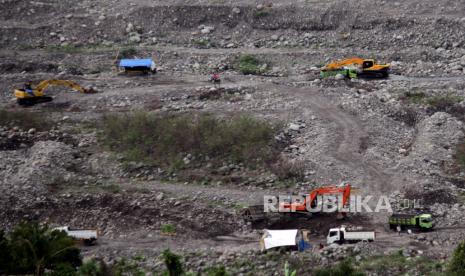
(356, 67)
(30, 96)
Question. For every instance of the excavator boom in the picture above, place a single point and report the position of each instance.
(310, 200)
(46, 83)
(31, 96)
(341, 63)
(356, 67)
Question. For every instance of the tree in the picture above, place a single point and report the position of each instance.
(33, 248)
(173, 263)
(457, 264)
(4, 253)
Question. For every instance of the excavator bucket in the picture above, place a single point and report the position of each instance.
(90, 90)
(36, 95)
(253, 213)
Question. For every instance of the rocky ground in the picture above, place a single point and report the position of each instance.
(396, 137)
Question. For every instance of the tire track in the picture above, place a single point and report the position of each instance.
(349, 134)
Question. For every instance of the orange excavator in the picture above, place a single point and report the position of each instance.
(32, 95)
(257, 213)
(356, 67)
(311, 199)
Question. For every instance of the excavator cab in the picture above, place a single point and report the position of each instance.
(368, 63)
(356, 67)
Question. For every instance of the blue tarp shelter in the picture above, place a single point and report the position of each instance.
(136, 63)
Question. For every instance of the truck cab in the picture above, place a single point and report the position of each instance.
(335, 235)
(425, 221)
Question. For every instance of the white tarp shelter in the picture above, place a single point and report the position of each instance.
(276, 238)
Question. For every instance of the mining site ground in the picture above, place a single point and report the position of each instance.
(400, 137)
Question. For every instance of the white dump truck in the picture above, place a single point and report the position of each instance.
(87, 236)
(341, 235)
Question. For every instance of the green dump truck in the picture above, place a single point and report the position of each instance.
(411, 221)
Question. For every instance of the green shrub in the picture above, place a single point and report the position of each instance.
(63, 270)
(201, 42)
(287, 270)
(128, 52)
(284, 169)
(249, 65)
(127, 267)
(25, 120)
(414, 97)
(260, 13)
(168, 229)
(92, 268)
(33, 248)
(165, 140)
(344, 268)
(457, 264)
(173, 263)
(216, 271)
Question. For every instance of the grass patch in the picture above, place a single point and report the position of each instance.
(25, 120)
(260, 13)
(285, 169)
(381, 264)
(344, 268)
(414, 97)
(459, 155)
(461, 197)
(168, 229)
(182, 141)
(250, 65)
(202, 43)
(438, 102)
(68, 48)
(127, 52)
(443, 101)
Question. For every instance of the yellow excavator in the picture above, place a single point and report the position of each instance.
(32, 95)
(356, 67)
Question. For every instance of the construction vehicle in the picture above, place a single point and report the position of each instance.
(87, 236)
(32, 95)
(341, 235)
(356, 68)
(256, 213)
(138, 66)
(408, 221)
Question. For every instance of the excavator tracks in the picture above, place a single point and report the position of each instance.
(34, 101)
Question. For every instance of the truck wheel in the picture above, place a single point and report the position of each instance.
(89, 242)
